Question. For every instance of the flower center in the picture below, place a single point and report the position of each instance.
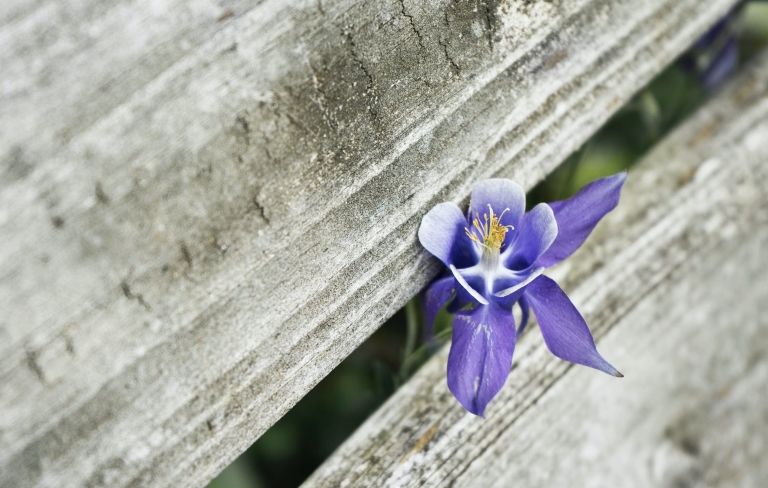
(488, 233)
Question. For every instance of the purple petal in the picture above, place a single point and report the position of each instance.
(473, 285)
(577, 216)
(537, 232)
(500, 194)
(435, 297)
(474, 289)
(461, 300)
(713, 33)
(564, 329)
(526, 310)
(721, 67)
(480, 356)
(442, 234)
(506, 297)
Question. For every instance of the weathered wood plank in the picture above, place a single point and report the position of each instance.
(204, 209)
(673, 285)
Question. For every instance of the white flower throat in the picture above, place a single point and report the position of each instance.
(489, 234)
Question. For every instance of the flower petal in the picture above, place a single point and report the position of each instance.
(481, 355)
(442, 234)
(526, 310)
(474, 293)
(509, 286)
(722, 66)
(461, 300)
(577, 216)
(564, 329)
(537, 232)
(713, 33)
(435, 297)
(500, 194)
(508, 291)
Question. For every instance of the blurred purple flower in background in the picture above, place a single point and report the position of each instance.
(715, 55)
(496, 255)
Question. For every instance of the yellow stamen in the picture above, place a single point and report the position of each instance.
(491, 232)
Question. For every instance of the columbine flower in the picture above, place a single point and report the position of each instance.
(496, 256)
(715, 55)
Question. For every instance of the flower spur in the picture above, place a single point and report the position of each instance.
(496, 255)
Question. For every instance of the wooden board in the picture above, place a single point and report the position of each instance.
(674, 286)
(206, 206)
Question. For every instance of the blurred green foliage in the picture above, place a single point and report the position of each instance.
(299, 442)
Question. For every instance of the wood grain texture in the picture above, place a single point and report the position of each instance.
(205, 206)
(673, 286)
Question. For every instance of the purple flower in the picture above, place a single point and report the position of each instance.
(715, 55)
(496, 255)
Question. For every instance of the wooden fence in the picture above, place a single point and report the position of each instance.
(675, 288)
(205, 206)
